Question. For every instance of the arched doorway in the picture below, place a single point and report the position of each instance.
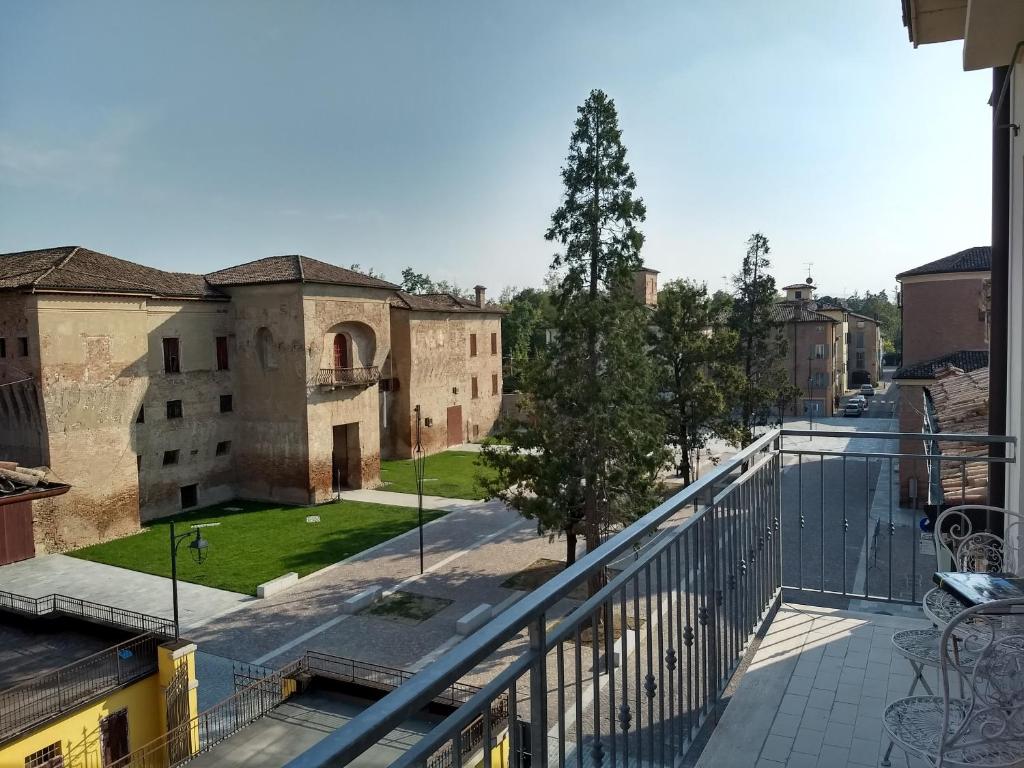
(342, 351)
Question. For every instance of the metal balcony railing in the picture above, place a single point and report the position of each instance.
(638, 670)
(74, 607)
(347, 377)
(47, 696)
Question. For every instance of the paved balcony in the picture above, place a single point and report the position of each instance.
(814, 693)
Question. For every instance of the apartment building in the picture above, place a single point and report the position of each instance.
(282, 379)
(828, 349)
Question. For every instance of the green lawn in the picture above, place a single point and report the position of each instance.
(452, 474)
(259, 543)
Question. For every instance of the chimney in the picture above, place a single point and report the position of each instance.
(645, 286)
(481, 295)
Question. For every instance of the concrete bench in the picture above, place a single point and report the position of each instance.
(507, 603)
(473, 620)
(275, 586)
(364, 599)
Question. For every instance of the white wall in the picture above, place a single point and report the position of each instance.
(1015, 335)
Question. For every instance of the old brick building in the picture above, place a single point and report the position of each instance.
(281, 379)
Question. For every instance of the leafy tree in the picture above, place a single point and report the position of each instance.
(878, 306)
(369, 271)
(588, 457)
(695, 352)
(418, 282)
(760, 347)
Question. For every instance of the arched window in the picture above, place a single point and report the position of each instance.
(341, 351)
(264, 348)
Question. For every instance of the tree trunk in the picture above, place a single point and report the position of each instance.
(570, 546)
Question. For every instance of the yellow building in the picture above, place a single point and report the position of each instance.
(82, 685)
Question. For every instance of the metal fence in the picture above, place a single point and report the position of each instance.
(74, 607)
(636, 671)
(850, 528)
(44, 697)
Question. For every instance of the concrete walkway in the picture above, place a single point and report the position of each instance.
(110, 585)
(396, 499)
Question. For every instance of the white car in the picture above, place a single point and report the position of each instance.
(863, 401)
(867, 389)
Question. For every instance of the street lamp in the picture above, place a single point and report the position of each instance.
(197, 547)
(419, 464)
(810, 390)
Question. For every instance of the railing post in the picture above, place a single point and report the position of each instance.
(539, 692)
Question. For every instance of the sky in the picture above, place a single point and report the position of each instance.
(195, 135)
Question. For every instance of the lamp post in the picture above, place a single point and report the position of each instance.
(198, 546)
(419, 462)
(810, 390)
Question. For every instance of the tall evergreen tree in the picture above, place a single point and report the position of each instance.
(588, 457)
(695, 352)
(760, 346)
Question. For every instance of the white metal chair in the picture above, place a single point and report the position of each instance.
(984, 726)
(958, 547)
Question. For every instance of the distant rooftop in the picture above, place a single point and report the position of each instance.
(976, 259)
(966, 360)
(293, 269)
(790, 311)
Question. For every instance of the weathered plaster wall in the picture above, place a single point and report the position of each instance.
(364, 315)
(911, 410)
(271, 449)
(94, 377)
(440, 376)
(800, 364)
(22, 423)
(199, 386)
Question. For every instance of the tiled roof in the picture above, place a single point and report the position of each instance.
(73, 268)
(960, 402)
(977, 259)
(20, 483)
(966, 360)
(441, 302)
(293, 269)
(798, 286)
(790, 311)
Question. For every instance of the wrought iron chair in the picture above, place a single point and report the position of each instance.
(958, 546)
(984, 726)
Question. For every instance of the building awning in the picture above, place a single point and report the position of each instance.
(990, 29)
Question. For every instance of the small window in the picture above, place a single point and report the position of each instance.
(472, 345)
(819, 351)
(226, 406)
(141, 418)
(172, 356)
(170, 458)
(799, 294)
(47, 757)
(222, 353)
(223, 447)
(189, 496)
(3, 347)
(494, 343)
(23, 346)
(494, 383)
(476, 392)
(174, 409)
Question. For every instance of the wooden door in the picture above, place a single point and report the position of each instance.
(16, 532)
(455, 425)
(114, 738)
(339, 458)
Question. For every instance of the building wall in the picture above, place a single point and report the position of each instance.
(364, 315)
(800, 341)
(22, 422)
(1015, 320)
(79, 733)
(865, 337)
(440, 374)
(942, 314)
(272, 452)
(910, 407)
(199, 385)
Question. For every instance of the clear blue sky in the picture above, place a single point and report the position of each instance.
(193, 135)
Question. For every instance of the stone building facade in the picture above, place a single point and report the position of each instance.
(283, 379)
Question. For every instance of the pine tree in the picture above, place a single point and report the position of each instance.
(761, 348)
(588, 458)
(695, 351)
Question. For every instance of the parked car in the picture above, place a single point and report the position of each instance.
(867, 390)
(863, 401)
(852, 408)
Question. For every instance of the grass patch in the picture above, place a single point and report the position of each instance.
(452, 474)
(407, 607)
(538, 572)
(260, 542)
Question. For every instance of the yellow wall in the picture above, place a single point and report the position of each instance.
(79, 731)
(499, 754)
